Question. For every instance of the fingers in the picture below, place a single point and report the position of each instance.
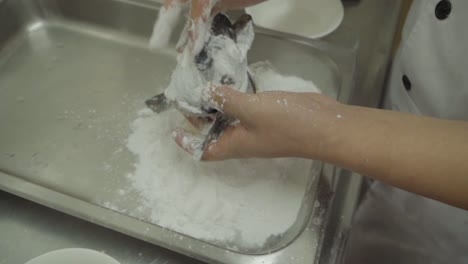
(172, 3)
(218, 8)
(166, 22)
(200, 9)
(234, 143)
(197, 122)
(199, 14)
(234, 103)
(169, 3)
(193, 30)
(183, 39)
(187, 141)
(224, 5)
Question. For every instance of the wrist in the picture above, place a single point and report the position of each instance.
(328, 132)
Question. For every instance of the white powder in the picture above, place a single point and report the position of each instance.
(267, 78)
(164, 25)
(241, 203)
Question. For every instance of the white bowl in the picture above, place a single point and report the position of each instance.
(307, 18)
(73, 256)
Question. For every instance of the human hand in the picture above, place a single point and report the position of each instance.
(193, 36)
(272, 124)
(201, 7)
(225, 5)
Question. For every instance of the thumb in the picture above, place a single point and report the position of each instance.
(234, 103)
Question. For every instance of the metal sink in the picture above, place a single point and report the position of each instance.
(71, 70)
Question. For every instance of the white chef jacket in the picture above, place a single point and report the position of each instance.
(429, 77)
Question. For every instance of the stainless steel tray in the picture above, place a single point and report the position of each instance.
(72, 76)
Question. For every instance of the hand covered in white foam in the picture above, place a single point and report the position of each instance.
(271, 124)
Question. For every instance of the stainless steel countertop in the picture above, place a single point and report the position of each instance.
(29, 229)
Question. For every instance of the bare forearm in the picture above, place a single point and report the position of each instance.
(420, 154)
(424, 155)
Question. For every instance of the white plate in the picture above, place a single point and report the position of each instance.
(308, 18)
(73, 256)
